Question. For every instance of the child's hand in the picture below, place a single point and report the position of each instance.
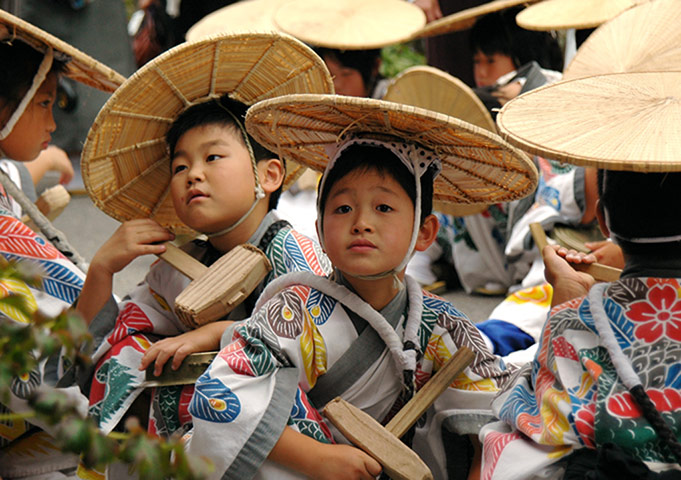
(131, 240)
(431, 8)
(567, 282)
(60, 162)
(345, 462)
(203, 339)
(607, 253)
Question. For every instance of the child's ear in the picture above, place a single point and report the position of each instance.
(271, 172)
(317, 226)
(427, 233)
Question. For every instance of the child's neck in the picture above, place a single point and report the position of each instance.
(240, 235)
(378, 292)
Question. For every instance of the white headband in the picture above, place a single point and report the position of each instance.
(38, 80)
(417, 159)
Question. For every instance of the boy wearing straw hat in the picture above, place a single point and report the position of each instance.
(367, 333)
(170, 146)
(601, 398)
(32, 62)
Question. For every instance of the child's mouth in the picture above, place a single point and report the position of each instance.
(195, 195)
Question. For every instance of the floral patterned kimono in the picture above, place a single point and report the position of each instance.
(312, 340)
(572, 396)
(148, 315)
(62, 282)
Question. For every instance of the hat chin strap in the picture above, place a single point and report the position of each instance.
(259, 195)
(413, 157)
(38, 80)
(259, 192)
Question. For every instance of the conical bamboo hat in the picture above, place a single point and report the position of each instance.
(478, 167)
(125, 163)
(645, 38)
(432, 89)
(579, 14)
(350, 24)
(245, 16)
(622, 121)
(80, 67)
(465, 19)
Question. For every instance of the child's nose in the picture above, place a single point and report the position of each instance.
(194, 174)
(361, 224)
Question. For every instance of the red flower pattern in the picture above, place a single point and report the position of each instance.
(658, 315)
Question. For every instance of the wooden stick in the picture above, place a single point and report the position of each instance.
(600, 272)
(424, 398)
(382, 443)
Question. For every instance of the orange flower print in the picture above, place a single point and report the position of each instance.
(658, 315)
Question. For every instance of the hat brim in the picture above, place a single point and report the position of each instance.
(578, 14)
(465, 19)
(245, 16)
(645, 38)
(80, 67)
(478, 167)
(624, 121)
(350, 24)
(125, 163)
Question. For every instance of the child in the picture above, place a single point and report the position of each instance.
(600, 399)
(222, 184)
(255, 410)
(32, 61)
(355, 72)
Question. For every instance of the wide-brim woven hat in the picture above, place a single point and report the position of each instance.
(350, 24)
(432, 89)
(125, 162)
(579, 14)
(478, 167)
(646, 38)
(80, 67)
(465, 19)
(621, 121)
(245, 16)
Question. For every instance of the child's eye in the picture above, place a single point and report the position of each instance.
(343, 209)
(384, 208)
(179, 168)
(212, 157)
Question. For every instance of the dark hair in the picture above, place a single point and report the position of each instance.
(364, 61)
(365, 158)
(20, 63)
(642, 205)
(498, 32)
(217, 112)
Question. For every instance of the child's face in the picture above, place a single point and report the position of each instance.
(368, 221)
(488, 68)
(346, 80)
(212, 183)
(33, 132)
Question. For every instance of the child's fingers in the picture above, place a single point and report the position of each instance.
(148, 357)
(373, 467)
(161, 360)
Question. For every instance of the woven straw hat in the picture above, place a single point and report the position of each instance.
(80, 67)
(465, 18)
(350, 24)
(125, 163)
(646, 38)
(477, 166)
(622, 121)
(244, 16)
(564, 14)
(433, 89)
